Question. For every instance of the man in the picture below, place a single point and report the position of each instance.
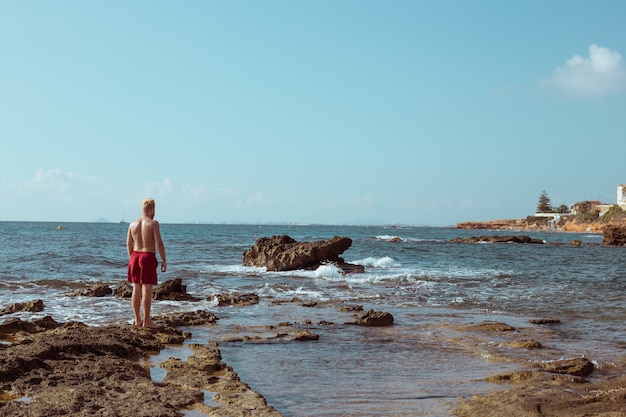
(142, 242)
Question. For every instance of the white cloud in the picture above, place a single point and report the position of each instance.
(159, 189)
(604, 72)
(57, 182)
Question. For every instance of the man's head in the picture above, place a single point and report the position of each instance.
(148, 207)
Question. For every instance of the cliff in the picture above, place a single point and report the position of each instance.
(579, 223)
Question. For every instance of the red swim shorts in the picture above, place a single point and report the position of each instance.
(142, 268)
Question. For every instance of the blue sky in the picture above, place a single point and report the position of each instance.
(337, 112)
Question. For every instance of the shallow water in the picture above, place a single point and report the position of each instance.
(419, 367)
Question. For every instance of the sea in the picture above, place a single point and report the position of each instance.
(436, 290)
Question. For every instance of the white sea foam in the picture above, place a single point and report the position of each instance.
(384, 262)
(281, 292)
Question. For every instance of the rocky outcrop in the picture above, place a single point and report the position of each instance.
(614, 235)
(498, 239)
(283, 253)
(375, 319)
(237, 299)
(95, 290)
(31, 306)
(172, 289)
(76, 370)
(516, 224)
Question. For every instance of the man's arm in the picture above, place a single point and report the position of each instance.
(129, 242)
(160, 246)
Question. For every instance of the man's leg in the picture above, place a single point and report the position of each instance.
(146, 300)
(136, 301)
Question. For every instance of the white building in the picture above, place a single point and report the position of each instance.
(621, 196)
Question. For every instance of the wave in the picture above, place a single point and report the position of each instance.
(394, 238)
(384, 262)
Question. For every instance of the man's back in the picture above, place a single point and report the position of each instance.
(142, 232)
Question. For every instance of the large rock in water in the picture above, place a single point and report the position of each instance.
(283, 253)
(614, 235)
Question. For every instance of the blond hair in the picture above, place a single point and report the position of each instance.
(147, 204)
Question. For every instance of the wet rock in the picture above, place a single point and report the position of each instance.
(30, 306)
(577, 367)
(375, 319)
(96, 290)
(237, 299)
(525, 344)
(547, 320)
(16, 325)
(173, 290)
(305, 335)
(614, 235)
(351, 308)
(189, 318)
(514, 377)
(283, 253)
(498, 239)
(123, 290)
(490, 327)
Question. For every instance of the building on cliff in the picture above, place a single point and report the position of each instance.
(621, 196)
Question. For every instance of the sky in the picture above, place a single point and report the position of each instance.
(425, 113)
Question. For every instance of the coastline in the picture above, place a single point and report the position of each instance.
(595, 227)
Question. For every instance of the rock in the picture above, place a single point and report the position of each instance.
(31, 306)
(237, 299)
(357, 307)
(199, 317)
(546, 320)
(491, 327)
(498, 239)
(96, 290)
(375, 319)
(514, 377)
(123, 290)
(16, 325)
(173, 290)
(614, 235)
(305, 335)
(525, 344)
(283, 253)
(577, 367)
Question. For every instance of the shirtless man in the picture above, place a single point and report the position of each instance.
(142, 242)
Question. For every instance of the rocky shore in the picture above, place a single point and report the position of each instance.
(565, 224)
(53, 369)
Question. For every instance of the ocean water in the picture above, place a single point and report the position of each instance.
(421, 366)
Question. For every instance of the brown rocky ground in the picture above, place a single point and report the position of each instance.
(537, 394)
(546, 388)
(49, 369)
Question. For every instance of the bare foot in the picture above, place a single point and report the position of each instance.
(138, 324)
(149, 324)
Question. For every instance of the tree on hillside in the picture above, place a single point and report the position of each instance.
(562, 209)
(544, 205)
